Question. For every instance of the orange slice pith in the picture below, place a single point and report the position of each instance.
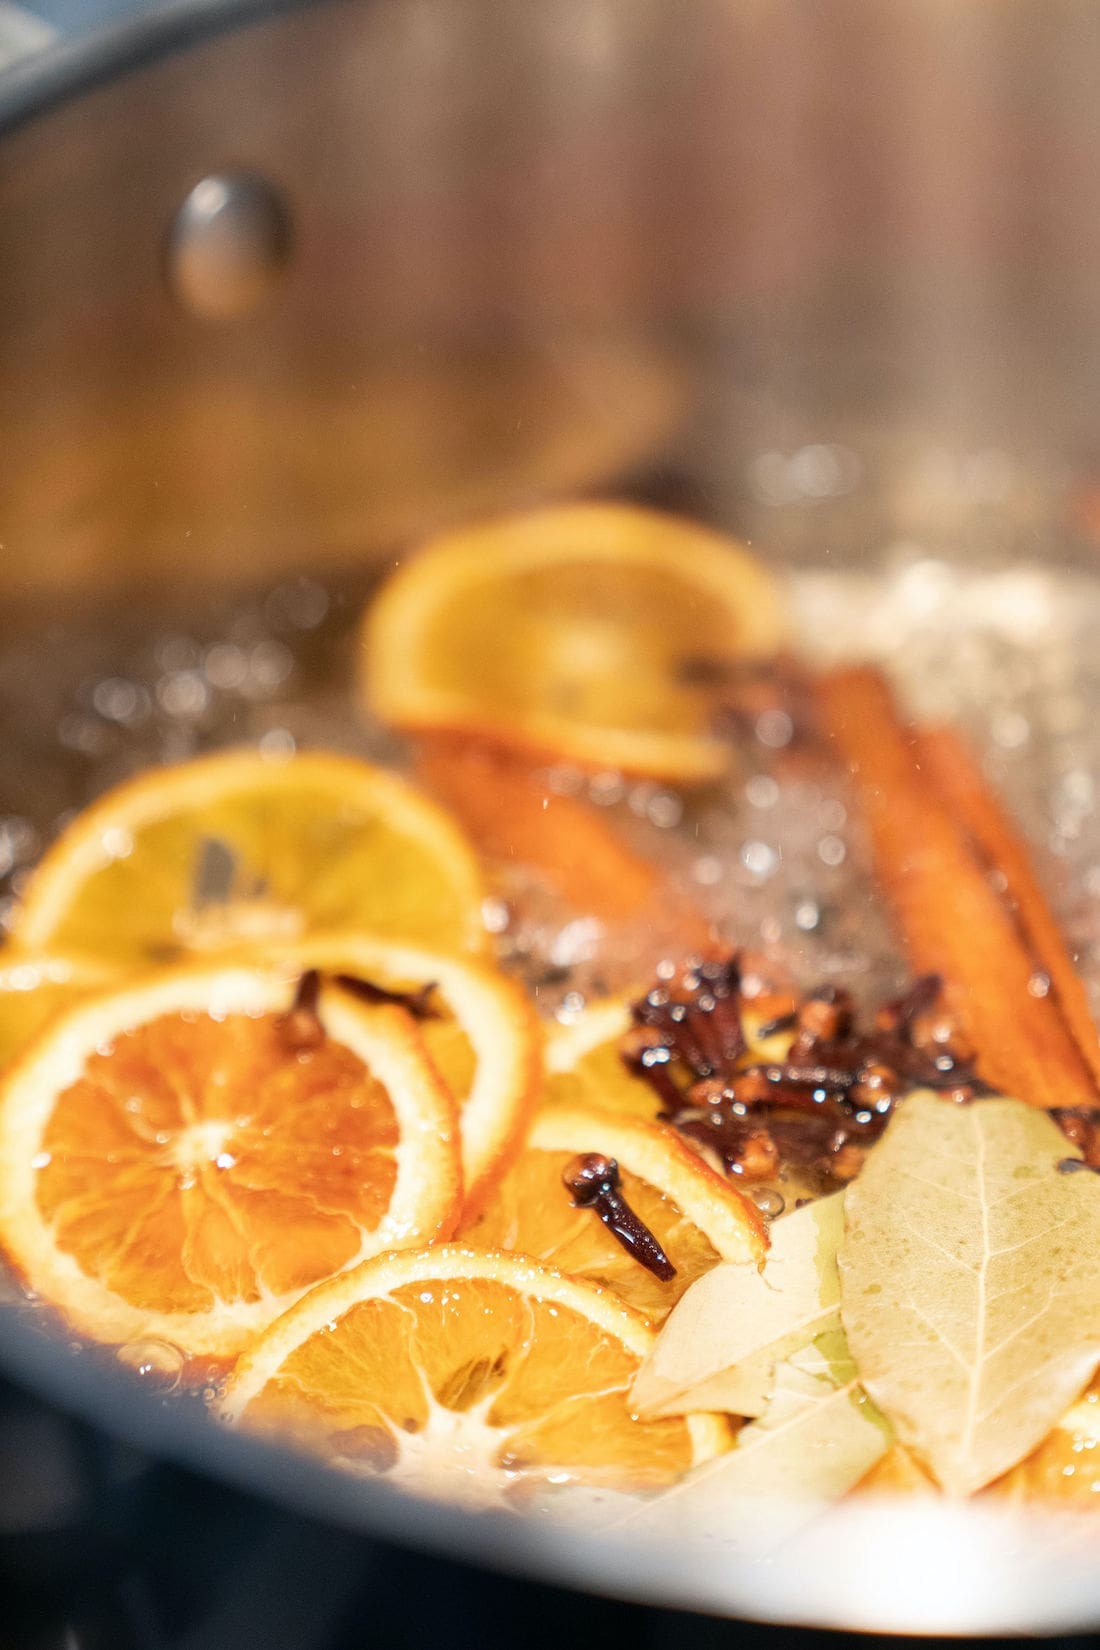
(695, 1215)
(584, 1067)
(171, 1165)
(35, 989)
(566, 632)
(454, 1371)
(485, 1043)
(287, 845)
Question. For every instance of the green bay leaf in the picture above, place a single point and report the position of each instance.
(970, 1282)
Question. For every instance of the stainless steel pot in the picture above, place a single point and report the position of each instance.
(282, 286)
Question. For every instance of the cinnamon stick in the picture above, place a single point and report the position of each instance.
(1001, 849)
(952, 920)
(511, 816)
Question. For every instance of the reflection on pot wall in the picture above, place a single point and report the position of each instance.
(537, 250)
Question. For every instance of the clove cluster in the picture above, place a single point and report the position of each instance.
(699, 1042)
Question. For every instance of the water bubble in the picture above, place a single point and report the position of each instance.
(183, 694)
(577, 942)
(640, 796)
(707, 870)
(774, 729)
(1078, 788)
(664, 810)
(495, 915)
(807, 915)
(831, 851)
(832, 815)
(822, 470)
(606, 789)
(116, 842)
(174, 653)
(768, 478)
(18, 840)
(159, 1364)
(269, 665)
(226, 666)
(83, 735)
(759, 858)
(1011, 730)
(564, 780)
(768, 1201)
(118, 700)
(762, 791)
(278, 743)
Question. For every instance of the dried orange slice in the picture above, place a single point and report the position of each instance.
(485, 1039)
(34, 989)
(572, 632)
(177, 1161)
(463, 1373)
(239, 847)
(697, 1217)
(584, 1067)
(1066, 1466)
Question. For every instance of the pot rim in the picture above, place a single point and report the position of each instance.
(916, 1567)
(73, 64)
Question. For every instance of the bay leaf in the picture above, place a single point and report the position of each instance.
(818, 1437)
(970, 1282)
(722, 1341)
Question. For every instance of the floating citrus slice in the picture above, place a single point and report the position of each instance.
(34, 989)
(179, 1158)
(468, 1374)
(1066, 1466)
(584, 1066)
(697, 1217)
(481, 1032)
(239, 847)
(576, 632)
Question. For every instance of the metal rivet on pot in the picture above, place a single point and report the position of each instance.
(228, 243)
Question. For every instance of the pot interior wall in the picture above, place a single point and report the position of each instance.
(593, 246)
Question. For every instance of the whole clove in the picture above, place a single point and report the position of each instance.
(593, 1182)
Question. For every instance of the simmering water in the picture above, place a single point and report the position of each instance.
(773, 856)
